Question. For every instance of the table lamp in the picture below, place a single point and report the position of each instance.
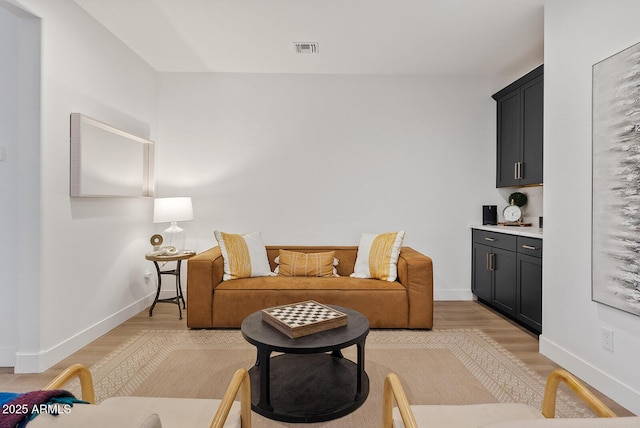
(173, 210)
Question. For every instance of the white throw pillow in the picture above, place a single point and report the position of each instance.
(378, 256)
(244, 256)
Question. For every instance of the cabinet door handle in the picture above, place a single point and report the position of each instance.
(517, 170)
(529, 247)
(489, 239)
(490, 261)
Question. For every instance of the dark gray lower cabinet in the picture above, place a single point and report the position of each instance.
(482, 283)
(507, 275)
(504, 286)
(529, 289)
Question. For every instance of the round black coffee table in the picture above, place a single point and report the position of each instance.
(311, 381)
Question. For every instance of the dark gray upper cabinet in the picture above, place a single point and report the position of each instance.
(520, 126)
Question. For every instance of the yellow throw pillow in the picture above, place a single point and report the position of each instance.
(292, 263)
(378, 256)
(244, 256)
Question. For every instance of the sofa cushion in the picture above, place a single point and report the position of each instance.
(468, 416)
(378, 256)
(385, 304)
(96, 416)
(623, 422)
(178, 412)
(139, 412)
(308, 283)
(244, 256)
(292, 263)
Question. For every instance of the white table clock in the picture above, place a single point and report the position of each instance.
(512, 214)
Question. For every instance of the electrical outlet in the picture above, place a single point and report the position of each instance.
(147, 275)
(607, 338)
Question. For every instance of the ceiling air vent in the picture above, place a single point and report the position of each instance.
(306, 47)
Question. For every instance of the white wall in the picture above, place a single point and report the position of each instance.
(20, 234)
(320, 159)
(578, 34)
(91, 263)
(305, 159)
(9, 137)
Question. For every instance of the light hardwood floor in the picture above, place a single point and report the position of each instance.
(447, 315)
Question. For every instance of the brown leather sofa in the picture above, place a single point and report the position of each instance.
(404, 303)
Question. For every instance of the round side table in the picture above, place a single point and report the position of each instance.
(178, 258)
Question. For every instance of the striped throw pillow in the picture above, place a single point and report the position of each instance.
(244, 256)
(378, 256)
(291, 263)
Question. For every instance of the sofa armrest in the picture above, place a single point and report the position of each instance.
(415, 273)
(204, 273)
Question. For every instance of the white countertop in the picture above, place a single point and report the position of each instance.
(528, 231)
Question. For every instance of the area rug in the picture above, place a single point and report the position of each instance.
(435, 367)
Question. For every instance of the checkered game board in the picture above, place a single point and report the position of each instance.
(300, 319)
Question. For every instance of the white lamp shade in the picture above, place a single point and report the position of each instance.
(166, 210)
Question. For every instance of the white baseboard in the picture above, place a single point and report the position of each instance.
(611, 387)
(460, 294)
(38, 362)
(8, 356)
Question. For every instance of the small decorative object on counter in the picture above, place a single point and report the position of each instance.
(518, 199)
(490, 214)
(513, 214)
